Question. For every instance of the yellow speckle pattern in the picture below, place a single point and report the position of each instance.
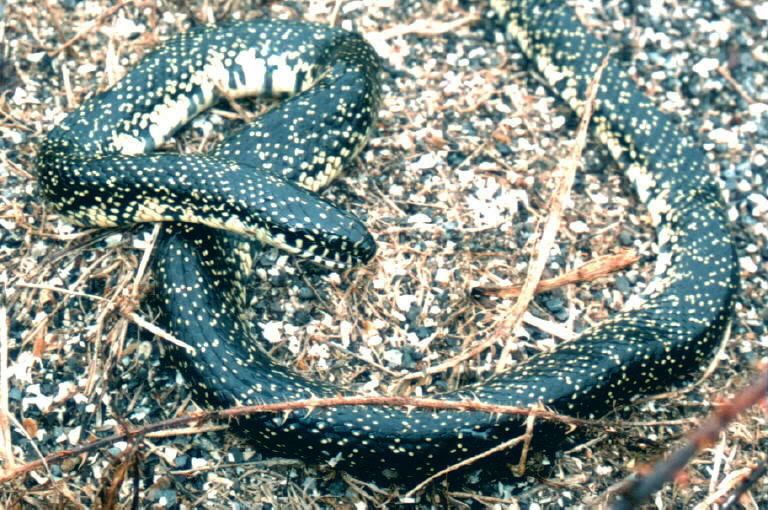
(98, 168)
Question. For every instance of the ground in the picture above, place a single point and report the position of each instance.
(453, 184)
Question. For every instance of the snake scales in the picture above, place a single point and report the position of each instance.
(98, 168)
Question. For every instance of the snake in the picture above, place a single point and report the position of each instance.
(100, 167)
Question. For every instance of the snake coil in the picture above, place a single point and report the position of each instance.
(99, 168)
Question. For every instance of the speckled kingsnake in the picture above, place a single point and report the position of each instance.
(98, 168)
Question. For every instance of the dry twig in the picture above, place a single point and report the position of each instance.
(595, 268)
(551, 226)
(747, 482)
(639, 490)
(536, 267)
(90, 28)
(134, 434)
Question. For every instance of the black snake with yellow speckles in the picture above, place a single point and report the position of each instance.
(98, 168)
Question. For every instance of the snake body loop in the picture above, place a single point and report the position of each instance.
(99, 169)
